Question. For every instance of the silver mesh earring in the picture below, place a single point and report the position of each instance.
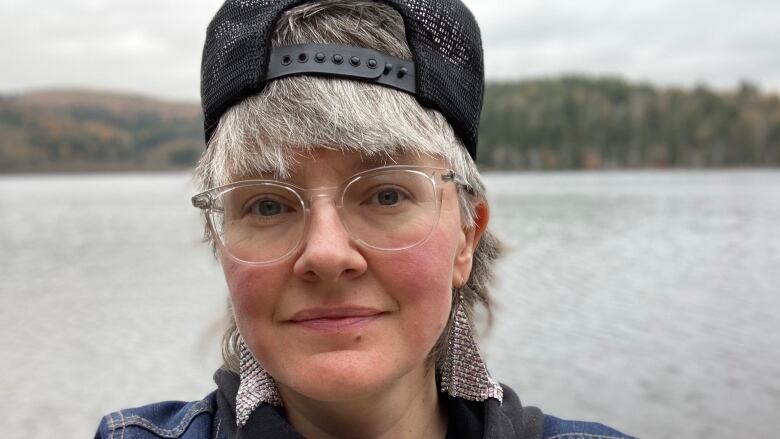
(255, 386)
(464, 374)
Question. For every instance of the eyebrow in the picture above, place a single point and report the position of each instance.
(264, 175)
(375, 161)
(365, 163)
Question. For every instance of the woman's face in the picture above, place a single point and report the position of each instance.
(336, 321)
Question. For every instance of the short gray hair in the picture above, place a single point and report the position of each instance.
(292, 116)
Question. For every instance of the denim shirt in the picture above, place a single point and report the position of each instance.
(200, 420)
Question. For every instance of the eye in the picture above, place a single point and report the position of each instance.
(388, 197)
(267, 207)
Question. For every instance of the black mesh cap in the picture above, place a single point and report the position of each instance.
(443, 36)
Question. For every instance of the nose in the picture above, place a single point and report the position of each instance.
(328, 252)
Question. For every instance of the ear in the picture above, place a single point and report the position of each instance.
(465, 257)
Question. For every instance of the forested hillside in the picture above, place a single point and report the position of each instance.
(578, 122)
(562, 123)
(72, 131)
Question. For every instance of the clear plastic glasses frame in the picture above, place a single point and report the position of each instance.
(253, 238)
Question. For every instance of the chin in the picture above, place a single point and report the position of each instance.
(341, 376)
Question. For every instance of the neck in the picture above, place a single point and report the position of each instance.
(409, 408)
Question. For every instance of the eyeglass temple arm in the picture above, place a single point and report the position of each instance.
(455, 178)
(201, 201)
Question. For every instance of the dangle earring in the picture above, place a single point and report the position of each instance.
(255, 386)
(464, 374)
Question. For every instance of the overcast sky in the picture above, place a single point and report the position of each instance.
(154, 46)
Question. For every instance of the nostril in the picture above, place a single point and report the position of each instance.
(330, 257)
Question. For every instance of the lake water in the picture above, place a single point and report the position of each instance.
(646, 300)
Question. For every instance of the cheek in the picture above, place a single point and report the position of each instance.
(420, 279)
(252, 291)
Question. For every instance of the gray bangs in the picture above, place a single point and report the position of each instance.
(265, 133)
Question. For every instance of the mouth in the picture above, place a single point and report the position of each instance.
(330, 320)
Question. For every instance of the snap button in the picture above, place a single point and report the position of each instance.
(286, 60)
(388, 68)
(355, 61)
(372, 63)
(319, 57)
(338, 59)
(402, 72)
(303, 57)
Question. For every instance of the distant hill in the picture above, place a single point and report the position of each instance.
(70, 130)
(570, 122)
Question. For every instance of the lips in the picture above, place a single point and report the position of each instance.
(338, 319)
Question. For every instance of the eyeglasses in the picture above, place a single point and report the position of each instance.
(389, 208)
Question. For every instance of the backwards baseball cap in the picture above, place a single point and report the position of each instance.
(446, 73)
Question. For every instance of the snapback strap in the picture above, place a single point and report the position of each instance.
(342, 61)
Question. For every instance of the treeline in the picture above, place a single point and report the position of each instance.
(579, 122)
(562, 123)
